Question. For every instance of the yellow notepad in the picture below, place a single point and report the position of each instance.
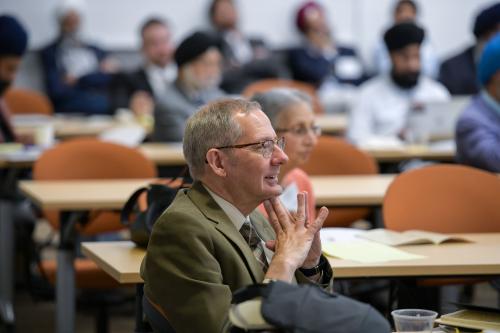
(366, 252)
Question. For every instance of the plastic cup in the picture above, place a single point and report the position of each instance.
(413, 320)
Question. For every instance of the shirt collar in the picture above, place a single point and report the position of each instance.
(236, 217)
(490, 101)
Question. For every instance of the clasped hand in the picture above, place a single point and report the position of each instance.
(297, 241)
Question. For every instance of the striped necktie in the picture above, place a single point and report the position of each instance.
(250, 235)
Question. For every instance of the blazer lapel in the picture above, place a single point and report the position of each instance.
(212, 211)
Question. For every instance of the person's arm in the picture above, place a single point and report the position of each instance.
(478, 144)
(308, 67)
(184, 277)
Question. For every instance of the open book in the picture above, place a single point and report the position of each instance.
(409, 237)
(472, 319)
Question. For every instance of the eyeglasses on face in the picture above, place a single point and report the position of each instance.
(301, 130)
(265, 147)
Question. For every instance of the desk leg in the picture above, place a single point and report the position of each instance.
(6, 264)
(65, 284)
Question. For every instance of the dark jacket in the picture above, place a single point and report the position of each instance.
(458, 74)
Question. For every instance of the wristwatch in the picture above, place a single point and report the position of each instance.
(316, 269)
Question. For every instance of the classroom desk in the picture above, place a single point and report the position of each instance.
(73, 198)
(170, 154)
(332, 123)
(122, 260)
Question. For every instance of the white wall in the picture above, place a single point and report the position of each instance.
(114, 23)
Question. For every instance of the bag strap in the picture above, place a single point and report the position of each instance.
(129, 206)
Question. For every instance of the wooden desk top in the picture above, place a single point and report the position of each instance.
(112, 194)
(362, 190)
(332, 123)
(170, 154)
(81, 194)
(122, 260)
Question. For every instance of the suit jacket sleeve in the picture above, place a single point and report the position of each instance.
(181, 259)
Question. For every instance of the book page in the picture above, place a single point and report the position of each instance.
(366, 252)
(410, 237)
(472, 319)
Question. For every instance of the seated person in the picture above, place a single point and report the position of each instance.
(478, 128)
(458, 73)
(334, 69)
(406, 11)
(385, 102)
(212, 241)
(138, 90)
(77, 74)
(292, 117)
(199, 70)
(245, 59)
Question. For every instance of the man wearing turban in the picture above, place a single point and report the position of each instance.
(13, 42)
(478, 128)
(198, 61)
(386, 101)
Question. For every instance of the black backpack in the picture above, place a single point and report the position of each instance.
(140, 215)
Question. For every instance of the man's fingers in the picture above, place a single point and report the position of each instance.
(273, 219)
(271, 245)
(301, 209)
(318, 223)
(281, 213)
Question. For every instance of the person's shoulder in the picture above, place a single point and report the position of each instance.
(459, 58)
(375, 85)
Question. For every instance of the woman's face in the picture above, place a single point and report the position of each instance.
(297, 125)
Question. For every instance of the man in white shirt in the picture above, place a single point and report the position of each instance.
(385, 102)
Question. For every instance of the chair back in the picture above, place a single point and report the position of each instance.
(336, 156)
(155, 317)
(88, 158)
(444, 198)
(23, 101)
(268, 84)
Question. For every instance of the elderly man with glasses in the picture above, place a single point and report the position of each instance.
(212, 241)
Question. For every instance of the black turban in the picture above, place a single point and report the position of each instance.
(487, 20)
(13, 37)
(403, 34)
(194, 46)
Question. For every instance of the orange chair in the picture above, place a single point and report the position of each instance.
(90, 159)
(444, 198)
(335, 156)
(268, 84)
(22, 101)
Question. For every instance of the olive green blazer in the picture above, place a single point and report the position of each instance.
(196, 258)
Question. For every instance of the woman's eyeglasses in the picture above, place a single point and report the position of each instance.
(301, 130)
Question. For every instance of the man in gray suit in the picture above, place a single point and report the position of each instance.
(212, 240)
(199, 71)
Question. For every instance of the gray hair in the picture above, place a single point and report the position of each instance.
(276, 101)
(213, 126)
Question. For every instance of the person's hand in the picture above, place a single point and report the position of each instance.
(109, 65)
(297, 241)
(70, 80)
(141, 103)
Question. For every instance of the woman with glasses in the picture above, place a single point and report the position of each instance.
(292, 117)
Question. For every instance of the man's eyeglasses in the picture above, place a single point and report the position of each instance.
(301, 130)
(265, 147)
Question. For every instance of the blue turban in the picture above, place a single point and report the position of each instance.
(13, 37)
(489, 63)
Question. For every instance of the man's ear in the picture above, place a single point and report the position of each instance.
(216, 162)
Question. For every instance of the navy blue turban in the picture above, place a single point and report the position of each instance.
(13, 37)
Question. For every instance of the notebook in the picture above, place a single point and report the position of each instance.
(409, 237)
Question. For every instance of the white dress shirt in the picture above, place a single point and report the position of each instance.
(382, 108)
